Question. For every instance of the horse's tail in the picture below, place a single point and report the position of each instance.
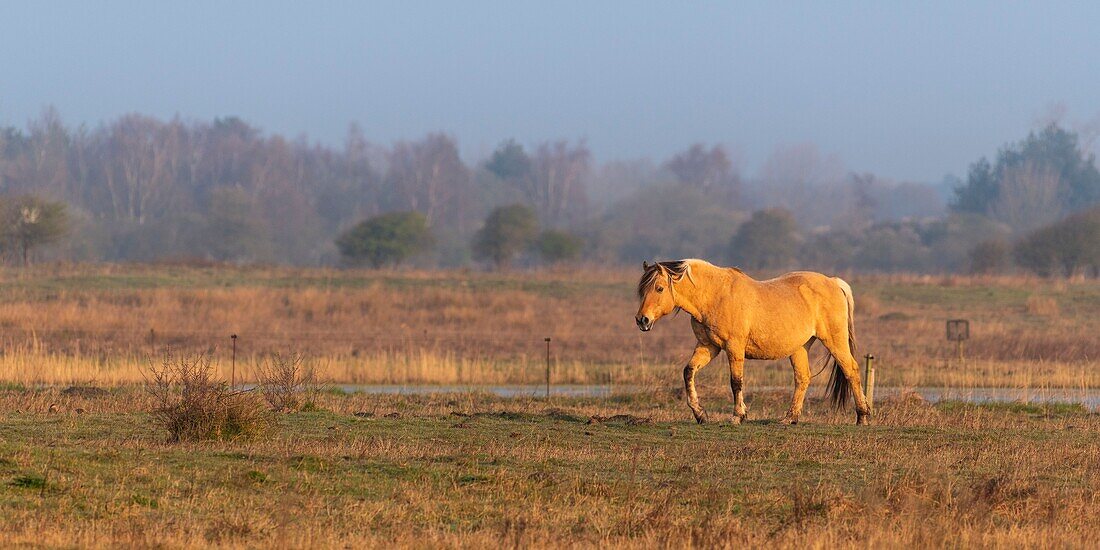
(838, 389)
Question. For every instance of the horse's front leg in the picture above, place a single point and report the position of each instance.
(737, 384)
(702, 356)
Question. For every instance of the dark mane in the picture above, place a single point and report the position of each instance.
(674, 269)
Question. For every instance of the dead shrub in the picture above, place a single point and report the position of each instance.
(287, 384)
(193, 405)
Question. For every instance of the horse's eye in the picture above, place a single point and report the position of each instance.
(660, 289)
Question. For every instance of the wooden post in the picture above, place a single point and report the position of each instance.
(869, 380)
(152, 343)
(547, 367)
(233, 368)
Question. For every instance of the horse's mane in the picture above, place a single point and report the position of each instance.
(674, 269)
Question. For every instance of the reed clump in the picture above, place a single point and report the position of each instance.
(287, 383)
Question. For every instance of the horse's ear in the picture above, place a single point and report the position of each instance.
(645, 265)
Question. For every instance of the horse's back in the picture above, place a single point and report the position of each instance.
(811, 285)
(808, 293)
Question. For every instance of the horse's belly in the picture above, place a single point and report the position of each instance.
(775, 345)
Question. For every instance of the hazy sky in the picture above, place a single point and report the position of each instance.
(906, 91)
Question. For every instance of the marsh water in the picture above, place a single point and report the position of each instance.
(1088, 397)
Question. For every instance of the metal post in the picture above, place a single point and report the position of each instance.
(869, 380)
(547, 367)
(233, 369)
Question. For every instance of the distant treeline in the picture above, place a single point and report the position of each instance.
(143, 189)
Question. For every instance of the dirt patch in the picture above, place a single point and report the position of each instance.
(627, 419)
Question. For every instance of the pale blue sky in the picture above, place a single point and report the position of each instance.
(909, 91)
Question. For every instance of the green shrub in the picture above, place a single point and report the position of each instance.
(559, 246)
(989, 257)
(387, 239)
(508, 231)
(769, 240)
(1068, 247)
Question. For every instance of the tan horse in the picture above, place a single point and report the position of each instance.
(750, 319)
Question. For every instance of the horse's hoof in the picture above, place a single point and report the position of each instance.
(789, 420)
(701, 418)
(863, 419)
(736, 420)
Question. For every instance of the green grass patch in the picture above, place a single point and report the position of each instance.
(145, 501)
(1017, 407)
(29, 481)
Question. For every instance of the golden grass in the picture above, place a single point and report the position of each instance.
(102, 324)
(1042, 306)
(422, 367)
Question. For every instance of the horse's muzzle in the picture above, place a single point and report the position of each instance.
(644, 323)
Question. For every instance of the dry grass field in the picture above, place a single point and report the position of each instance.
(86, 457)
(102, 324)
(469, 470)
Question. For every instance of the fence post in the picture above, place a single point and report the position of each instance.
(233, 368)
(152, 342)
(869, 380)
(547, 367)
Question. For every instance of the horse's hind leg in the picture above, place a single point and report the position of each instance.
(800, 361)
(737, 385)
(702, 356)
(850, 368)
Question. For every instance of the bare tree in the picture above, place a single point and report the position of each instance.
(1028, 197)
(806, 182)
(702, 167)
(428, 176)
(145, 162)
(558, 182)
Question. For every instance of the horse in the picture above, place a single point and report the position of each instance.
(750, 319)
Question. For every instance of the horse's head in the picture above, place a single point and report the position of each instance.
(656, 291)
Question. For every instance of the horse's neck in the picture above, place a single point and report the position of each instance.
(699, 297)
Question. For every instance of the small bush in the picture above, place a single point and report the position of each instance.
(558, 246)
(387, 239)
(508, 230)
(769, 240)
(193, 405)
(989, 257)
(287, 384)
(1065, 248)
